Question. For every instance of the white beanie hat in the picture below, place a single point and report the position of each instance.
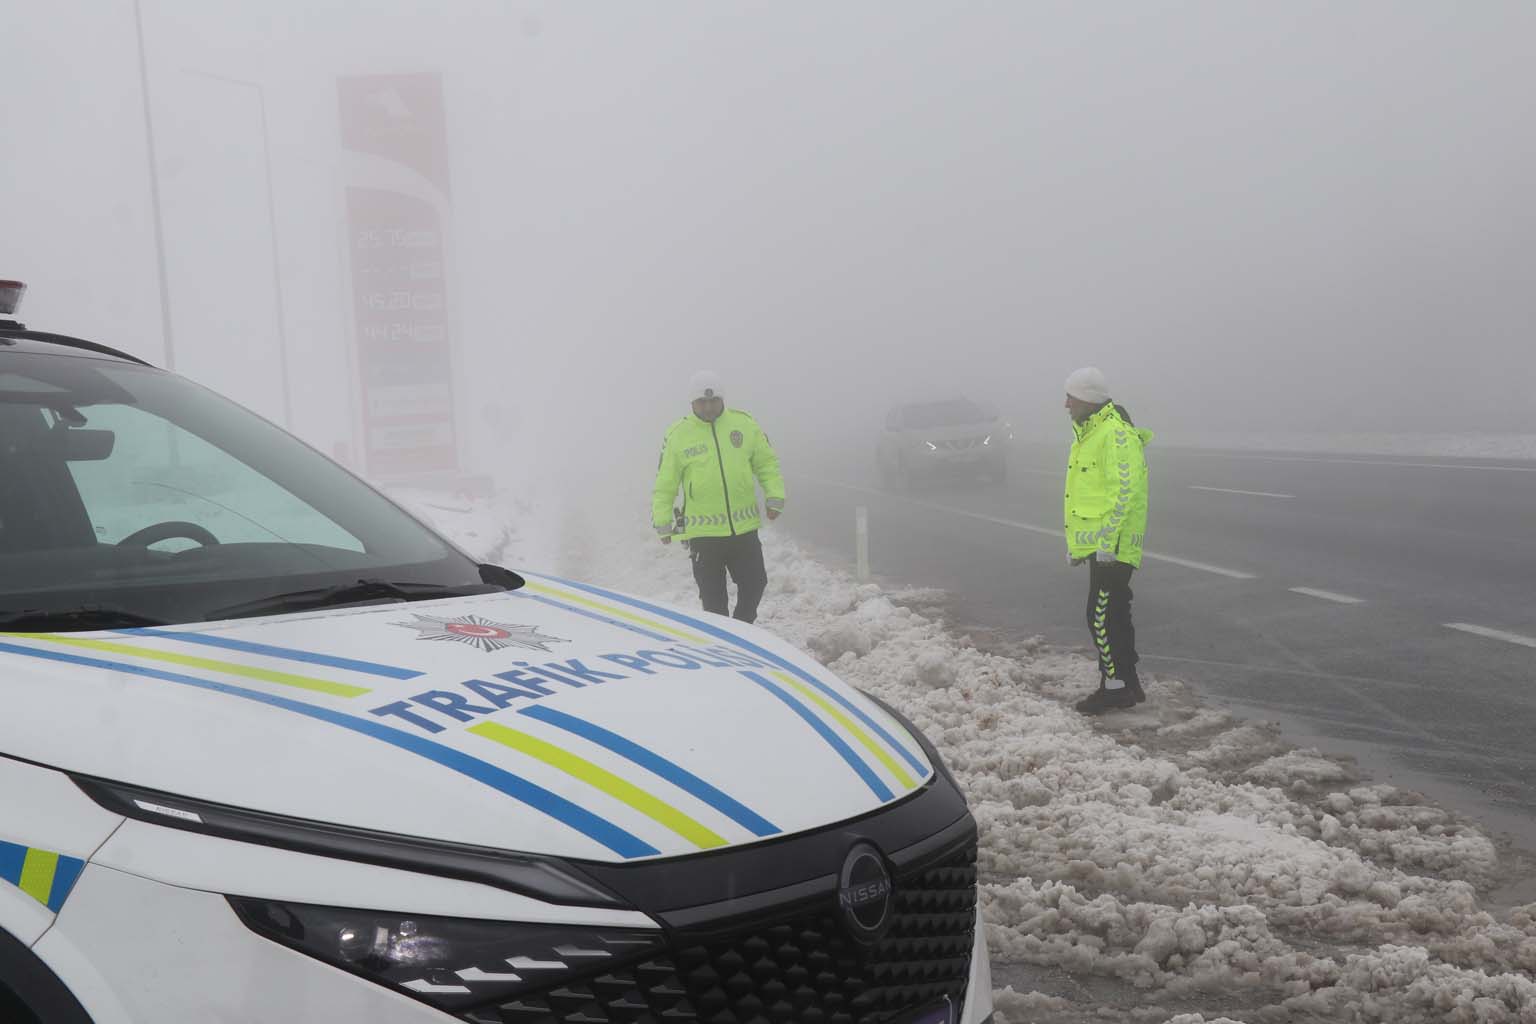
(705, 384)
(1087, 385)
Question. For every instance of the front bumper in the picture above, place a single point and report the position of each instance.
(957, 457)
(752, 933)
(135, 951)
(793, 963)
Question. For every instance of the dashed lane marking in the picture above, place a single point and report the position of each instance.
(1033, 528)
(1492, 634)
(1327, 595)
(1229, 490)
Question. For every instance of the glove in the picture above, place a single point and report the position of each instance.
(667, 539)
(773, 514)
(1075, 561)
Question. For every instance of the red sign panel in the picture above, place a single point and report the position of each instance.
(397, 199)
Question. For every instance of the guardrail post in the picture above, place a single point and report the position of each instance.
(861, 541)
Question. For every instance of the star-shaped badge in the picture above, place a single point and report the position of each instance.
(481, 633)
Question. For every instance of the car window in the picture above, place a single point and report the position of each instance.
(158, 472)
(129, 487)
(943, 414)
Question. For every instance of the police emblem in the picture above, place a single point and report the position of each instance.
(482, 633)
(736, 439)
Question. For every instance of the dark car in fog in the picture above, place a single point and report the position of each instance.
(924, 440)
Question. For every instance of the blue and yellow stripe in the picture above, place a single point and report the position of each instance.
(126, 650)
(848, 712)
(604, 781)
(836, 742)
(657, 765)
(852, 728)
(367, 668)
(657, 624)
(44, 875)
(588, 613)
(591, 825)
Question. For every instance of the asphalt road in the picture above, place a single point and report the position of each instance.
(1377, 606)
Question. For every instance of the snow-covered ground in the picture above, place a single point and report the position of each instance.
(1167, 864)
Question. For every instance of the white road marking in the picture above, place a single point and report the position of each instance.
(1327, 595)
(1201, 566)
(1355, 462)
(1492, 634)
(1043, 530)
(1228, 490)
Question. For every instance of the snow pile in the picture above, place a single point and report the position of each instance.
(1166, 864)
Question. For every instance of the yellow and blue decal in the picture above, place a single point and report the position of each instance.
(44, 875)
(808, 697)
(637, 778)
(600, 830)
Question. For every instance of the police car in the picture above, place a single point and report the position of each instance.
(272, 750)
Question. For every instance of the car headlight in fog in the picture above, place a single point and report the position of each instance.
(987, 439)
(453, 964)
(931, 446)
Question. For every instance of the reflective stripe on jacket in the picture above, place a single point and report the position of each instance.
(718, 467)
(1105, 508)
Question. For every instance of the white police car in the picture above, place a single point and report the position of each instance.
(271, 750)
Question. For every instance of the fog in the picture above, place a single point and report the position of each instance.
(1253, 217)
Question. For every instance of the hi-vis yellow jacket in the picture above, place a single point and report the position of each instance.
(718, 466)
(1106, 498)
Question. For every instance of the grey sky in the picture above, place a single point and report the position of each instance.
(1253, 216)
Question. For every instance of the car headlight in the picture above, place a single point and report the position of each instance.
(931, 446)
(453, 964)
(987, 439)
(543, 878)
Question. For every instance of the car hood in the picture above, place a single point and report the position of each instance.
(955, 431)
(559, 719)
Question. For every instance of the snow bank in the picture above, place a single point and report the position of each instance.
(1180, 860)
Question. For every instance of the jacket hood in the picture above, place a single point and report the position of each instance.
(559, 719)
(1108, 413)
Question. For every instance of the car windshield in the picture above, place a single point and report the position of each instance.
(127, 488)
(954, 412)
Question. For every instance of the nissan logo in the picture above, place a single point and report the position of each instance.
(865, 894)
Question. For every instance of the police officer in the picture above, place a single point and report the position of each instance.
(1106, 522)
(718, 457)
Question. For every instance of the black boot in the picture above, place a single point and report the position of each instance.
(1096, 695)
(1137, 693)
(1104, 699)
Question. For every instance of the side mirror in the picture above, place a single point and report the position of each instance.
(498, 576)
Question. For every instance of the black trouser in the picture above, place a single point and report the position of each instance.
(1109, 620)
(743, 556)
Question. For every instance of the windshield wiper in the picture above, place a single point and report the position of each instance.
(64, 620)
(362, 591)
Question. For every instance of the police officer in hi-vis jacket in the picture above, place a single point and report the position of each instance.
(1106, 522)
(717, 457)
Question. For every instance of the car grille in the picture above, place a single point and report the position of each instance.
(799, 970)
